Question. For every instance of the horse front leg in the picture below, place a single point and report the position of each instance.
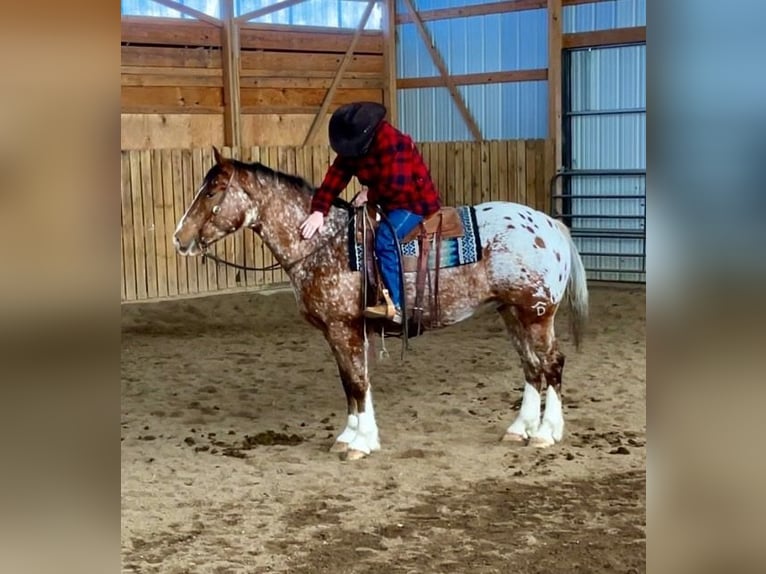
(360, 437)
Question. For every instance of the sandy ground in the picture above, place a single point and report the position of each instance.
(230, 402)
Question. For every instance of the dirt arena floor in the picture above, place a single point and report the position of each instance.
(230, 402)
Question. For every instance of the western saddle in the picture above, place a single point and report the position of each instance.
(443, 224)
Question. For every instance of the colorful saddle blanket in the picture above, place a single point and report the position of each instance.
(455, 251)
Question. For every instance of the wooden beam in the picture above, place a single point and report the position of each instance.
(267, 10)
(300, 62)
(439, 62)
(485, 9)
(170, 57)
(298, 39)
(189, 12)
(178, 99)
(169, 32)
(555, 84)
(170, 109)
(295, 83)
(232, 128)
(282, 110)
(170, 80)
(300, 73)
(304, 97)
(477, 10)
(573, 2)
(162, 70)
(343, 65)
(389, 60)
(617, 36)
(473, 79)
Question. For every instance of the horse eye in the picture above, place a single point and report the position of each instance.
(210, 193)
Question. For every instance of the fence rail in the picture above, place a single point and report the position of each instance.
(158, 185)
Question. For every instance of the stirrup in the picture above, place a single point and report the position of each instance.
(385, 310)
(380, 312)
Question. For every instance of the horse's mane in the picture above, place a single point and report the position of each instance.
(292, 180)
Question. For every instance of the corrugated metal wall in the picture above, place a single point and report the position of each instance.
(492, 43)
(604, 15)
(607, 122)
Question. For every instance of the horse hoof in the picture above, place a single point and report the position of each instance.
(355, 454)
(539, 442)
(339, 446)
(513, 438)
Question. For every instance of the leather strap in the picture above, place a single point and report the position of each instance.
(436, 310)
(420, 279)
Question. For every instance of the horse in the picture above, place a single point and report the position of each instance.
(529, 264)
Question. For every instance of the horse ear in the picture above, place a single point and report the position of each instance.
(217, 155)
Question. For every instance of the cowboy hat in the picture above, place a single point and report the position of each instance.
(352, 127)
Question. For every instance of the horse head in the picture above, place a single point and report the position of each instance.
(221, 206)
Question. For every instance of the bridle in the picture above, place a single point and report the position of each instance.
(217, 208)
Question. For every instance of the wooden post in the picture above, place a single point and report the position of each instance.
(341, 70)
(555, 80)
(389, 57)
(232, 127)
(439, 62)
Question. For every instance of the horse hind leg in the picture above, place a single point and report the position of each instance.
(551, 429)
(527, 421)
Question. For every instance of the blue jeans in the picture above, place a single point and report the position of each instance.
(403, 222)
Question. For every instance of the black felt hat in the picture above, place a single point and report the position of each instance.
(352, 127)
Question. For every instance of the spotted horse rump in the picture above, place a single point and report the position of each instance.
(525, 265)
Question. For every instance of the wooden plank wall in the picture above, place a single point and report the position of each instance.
(172, 81)
(158, 185)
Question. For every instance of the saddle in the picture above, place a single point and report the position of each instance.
(444, 224)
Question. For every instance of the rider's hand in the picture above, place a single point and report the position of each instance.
(361, 198)
(312, 224)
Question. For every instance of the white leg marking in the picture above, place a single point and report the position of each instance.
(527, 421)
(366, 439)
(348, 434)
(552, 428)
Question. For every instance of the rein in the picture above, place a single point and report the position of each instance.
(217, 259)
(340, 203)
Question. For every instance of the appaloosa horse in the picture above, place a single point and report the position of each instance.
(529, 262)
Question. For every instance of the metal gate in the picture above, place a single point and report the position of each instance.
(603, 186)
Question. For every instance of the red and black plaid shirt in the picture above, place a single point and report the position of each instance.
(393, 171)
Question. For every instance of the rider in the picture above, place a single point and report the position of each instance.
(397, 179)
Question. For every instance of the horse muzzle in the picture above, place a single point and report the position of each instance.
(194, 247)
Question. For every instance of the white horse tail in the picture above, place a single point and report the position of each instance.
(577, 290)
